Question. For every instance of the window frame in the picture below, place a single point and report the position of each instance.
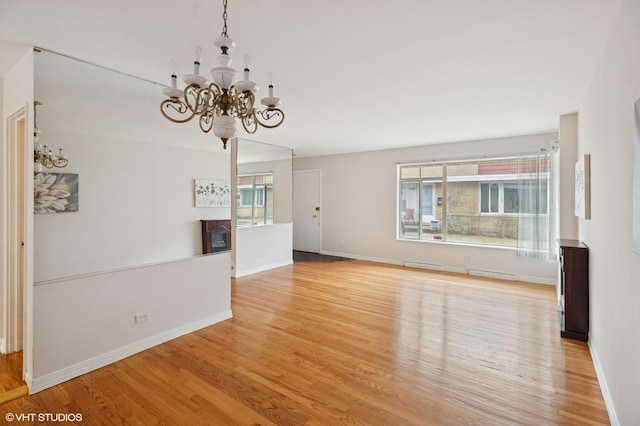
(501, 179)
(259, 192)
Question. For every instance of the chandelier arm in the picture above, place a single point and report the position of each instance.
(206, 122)
(178, 106)
(250, 124)
(269, 114)
(244, 104)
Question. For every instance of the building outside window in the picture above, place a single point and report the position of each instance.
(255, 200)
(484, 201)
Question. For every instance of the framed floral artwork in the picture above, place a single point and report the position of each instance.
(55, 193)
(212, 193)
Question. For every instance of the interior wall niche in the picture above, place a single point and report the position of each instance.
(136, 172)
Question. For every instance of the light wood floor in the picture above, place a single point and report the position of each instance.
(352, 343)
(11, 384)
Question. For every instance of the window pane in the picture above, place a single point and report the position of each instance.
(495, 198)
(431, 171)
(255, 200)
(410, 172)
(245, 197)
(427, 201)
(473, 207)
(259, 196)
(409, 199)
(511, 204)
(484, 197)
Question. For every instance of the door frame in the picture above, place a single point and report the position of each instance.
(15, 225)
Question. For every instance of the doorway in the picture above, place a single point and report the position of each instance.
(13, 246)
(307, 202)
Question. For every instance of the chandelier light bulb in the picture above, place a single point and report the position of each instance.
(246, 67)
(196, 63)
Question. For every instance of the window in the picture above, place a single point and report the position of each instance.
(255, 200)
(504, 198)
(485, 201)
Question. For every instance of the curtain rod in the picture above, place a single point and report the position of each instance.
(468, 158)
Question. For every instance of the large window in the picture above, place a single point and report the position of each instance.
(255, 200)
(486, 201)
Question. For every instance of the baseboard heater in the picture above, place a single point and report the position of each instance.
(493, 274)
(422, 265)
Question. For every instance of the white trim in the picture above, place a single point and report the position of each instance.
(3, 346)
(445, 268)
(263, 268)
(493, 274)
(538, 280)
(422, 265)
(604, 388)
(83, 367)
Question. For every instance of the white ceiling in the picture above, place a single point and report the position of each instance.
(353, 76)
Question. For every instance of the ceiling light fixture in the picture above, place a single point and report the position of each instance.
(42, 155)
(219, 103)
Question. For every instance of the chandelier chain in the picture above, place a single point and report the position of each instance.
(224, 18)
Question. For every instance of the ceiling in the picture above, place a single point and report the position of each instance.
(353, 76)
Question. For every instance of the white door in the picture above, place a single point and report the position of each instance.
(307, 200)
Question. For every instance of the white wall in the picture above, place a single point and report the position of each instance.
(606, 132)
(87, 322)
(136, 205)
(568, 135)
(259, 248)
(359, 199)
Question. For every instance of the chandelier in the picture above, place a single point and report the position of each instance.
(42, 155)
(219, 103)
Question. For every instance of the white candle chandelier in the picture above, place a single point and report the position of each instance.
(219, 103)
(42, 155)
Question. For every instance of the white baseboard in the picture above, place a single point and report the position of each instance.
(445, 268)
(3, 346)
(40, 383)
(493, 274)
(422, 265)
(365, 258)
(240, 274)
(604, 388)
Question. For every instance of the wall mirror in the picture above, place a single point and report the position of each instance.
(135, 172)
(264, 184)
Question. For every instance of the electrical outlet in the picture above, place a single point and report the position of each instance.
(145, 316)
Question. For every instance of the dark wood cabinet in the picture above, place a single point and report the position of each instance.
(216, 235)
(573, 290)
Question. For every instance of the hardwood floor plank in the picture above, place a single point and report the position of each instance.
(353, 343)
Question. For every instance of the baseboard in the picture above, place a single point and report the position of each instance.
(493, 274)
(422, 265)
(365, 258)
(40, 383)
(240, 274)
(444, 268)
(604, 388)
(3, 346)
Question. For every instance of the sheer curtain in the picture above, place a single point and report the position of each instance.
(533, 205)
